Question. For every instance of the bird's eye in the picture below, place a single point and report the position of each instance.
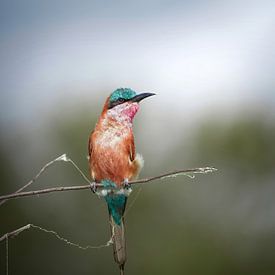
(121, 100)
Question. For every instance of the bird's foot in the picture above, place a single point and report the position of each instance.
(93, 187)
(126, 184)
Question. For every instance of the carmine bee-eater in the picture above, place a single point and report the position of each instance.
(113, 160)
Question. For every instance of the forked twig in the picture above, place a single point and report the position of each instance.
(186, 172)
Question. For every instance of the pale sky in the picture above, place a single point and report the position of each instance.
(196, 56)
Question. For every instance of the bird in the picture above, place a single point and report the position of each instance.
(113, 160)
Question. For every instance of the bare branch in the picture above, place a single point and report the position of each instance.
(43, 169)
(15, 232)
(28, 226)
(186, 172)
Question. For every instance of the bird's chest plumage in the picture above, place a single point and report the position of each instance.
(112, 138)
(111, 152)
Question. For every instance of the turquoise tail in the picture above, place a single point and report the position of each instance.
(116, 202)
(116, 206)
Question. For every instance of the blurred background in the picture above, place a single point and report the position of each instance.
(212, 66)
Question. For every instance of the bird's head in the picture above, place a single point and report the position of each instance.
(124, 103)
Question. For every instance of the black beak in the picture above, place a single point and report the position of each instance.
(140, 97)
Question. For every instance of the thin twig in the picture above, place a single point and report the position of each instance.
(186, 172)
(43, 169)
(28, 226)
(15, 232)
(7, 255)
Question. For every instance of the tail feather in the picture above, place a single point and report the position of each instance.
(119, 241)
(116, 207)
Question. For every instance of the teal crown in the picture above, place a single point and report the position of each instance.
(123, 93)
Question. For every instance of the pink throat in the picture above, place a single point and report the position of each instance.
(124, 112)
(131, 111)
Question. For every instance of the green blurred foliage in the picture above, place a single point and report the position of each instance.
(214, 224)
(246, 145)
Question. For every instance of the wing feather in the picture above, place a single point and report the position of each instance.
(131, 149)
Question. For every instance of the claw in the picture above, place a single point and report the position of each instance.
(93, 187)
(126, 184)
